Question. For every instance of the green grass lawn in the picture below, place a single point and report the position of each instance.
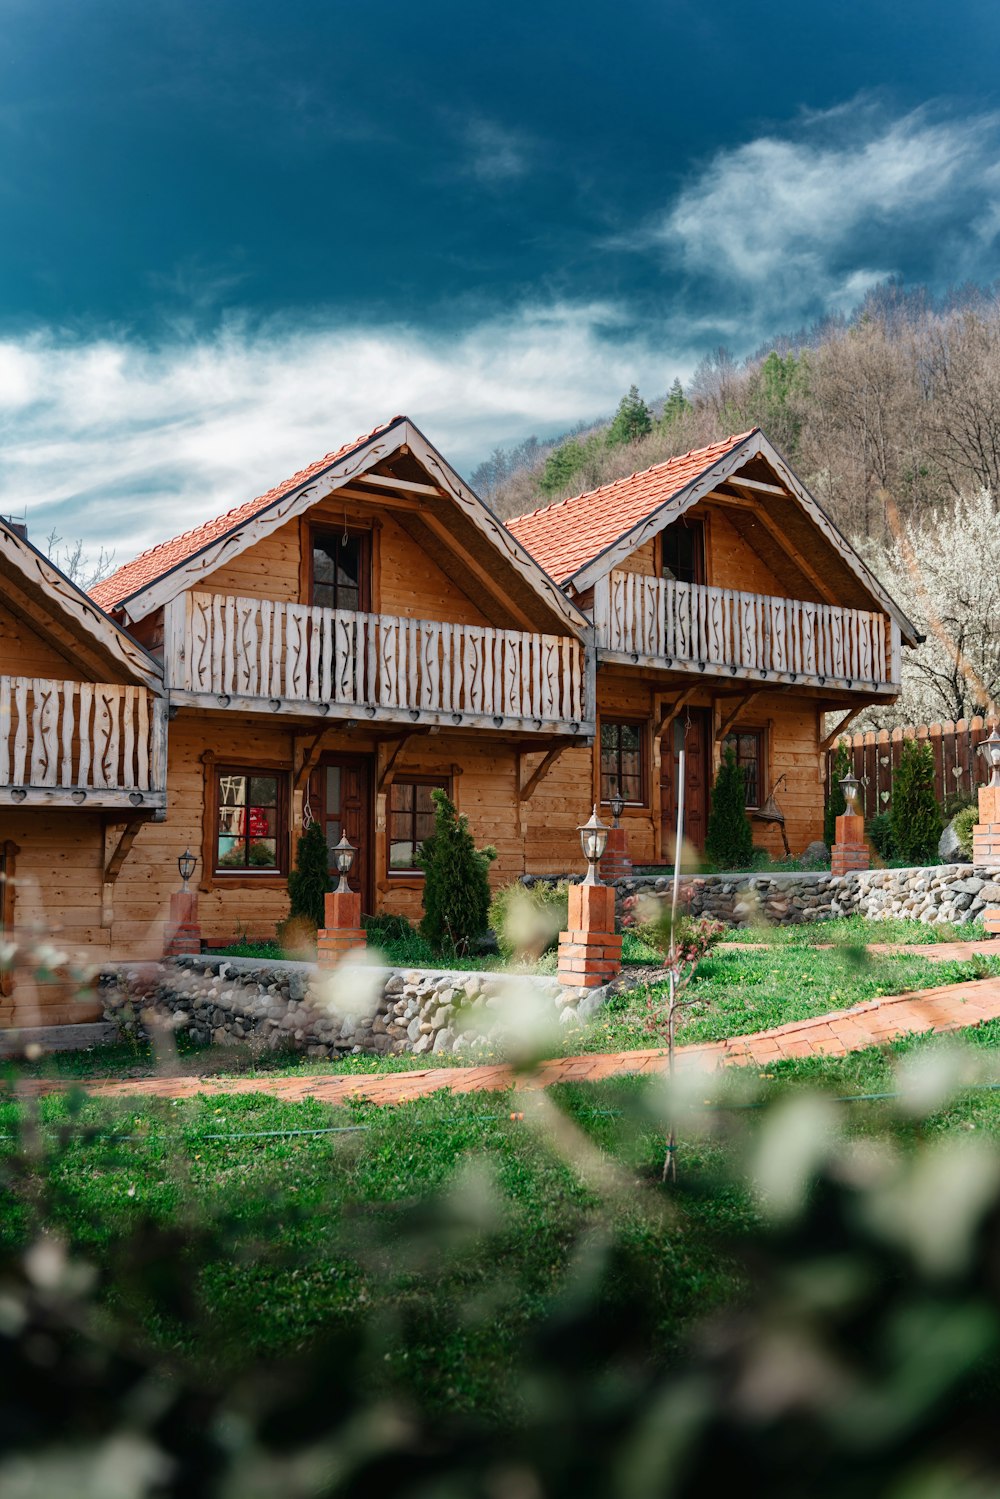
(859, 931)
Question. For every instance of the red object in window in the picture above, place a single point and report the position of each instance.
(259, 825)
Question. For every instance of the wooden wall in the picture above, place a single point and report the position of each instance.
(26, 653)
(407, 580)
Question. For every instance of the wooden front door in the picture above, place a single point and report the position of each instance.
(692, 732)
(340, 798)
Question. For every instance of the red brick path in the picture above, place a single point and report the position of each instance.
(949, 1008)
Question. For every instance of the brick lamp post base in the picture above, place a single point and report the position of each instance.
(850, 851)
(615, 863)
(343, 931)
(183, 934)
(986, 849)
(590, 951)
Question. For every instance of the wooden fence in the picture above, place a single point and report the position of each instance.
(958, 769)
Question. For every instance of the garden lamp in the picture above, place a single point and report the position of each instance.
(186, 865)
(617, 806)
(990, 751)
(850, 786)
(343, 858)
(593, 840)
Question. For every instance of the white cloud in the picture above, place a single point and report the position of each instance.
(787, 224)
(123, 444)
(495, 153)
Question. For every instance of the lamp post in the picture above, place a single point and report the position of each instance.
(617, 807)
(593, 841)
(186, 863)
(343, 858)
(990, 751)
(850, 786)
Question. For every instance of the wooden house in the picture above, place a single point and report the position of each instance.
(333, 650)
(82, 764)
(728, 610)
(367, 630)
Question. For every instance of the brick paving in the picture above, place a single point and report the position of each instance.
(948, 1008)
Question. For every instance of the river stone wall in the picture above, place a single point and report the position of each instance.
(358, 1008)
(951, 893)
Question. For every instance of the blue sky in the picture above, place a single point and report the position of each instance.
(234, 234)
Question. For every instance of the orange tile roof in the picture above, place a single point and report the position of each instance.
(568, 535)
(158, 560)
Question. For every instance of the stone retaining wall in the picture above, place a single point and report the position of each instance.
(357, 1008)
(951, 893)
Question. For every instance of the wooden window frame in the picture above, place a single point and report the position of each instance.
(763, 761)
(364, 534)
(687, 523)
(247, 879)
(642, 724)
(424, 778)
(10, 851)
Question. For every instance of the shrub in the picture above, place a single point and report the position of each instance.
(729, 840)
(527, 920)
(883, 841)
(916, 816)
(835, 805)
(963, 823)
(308, 884)
(457, 886)
(384, 929)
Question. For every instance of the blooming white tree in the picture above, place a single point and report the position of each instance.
(941, 567)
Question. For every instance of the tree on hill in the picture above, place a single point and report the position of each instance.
(631, 421)
(675, 406)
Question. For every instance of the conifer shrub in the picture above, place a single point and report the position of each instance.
(916, 816)
(456, 884)
(308, 884)
(835, 804)
(963, 822)
(729, 840)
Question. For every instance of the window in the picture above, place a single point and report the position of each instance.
(250, 830)
(684, 551)
(622, 761)
(411, 821)
(748, 747)
(340, 570)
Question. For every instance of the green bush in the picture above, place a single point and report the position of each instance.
(308, 884)
(879, 830)
(384, 928)
(527, 920)
(729, 840)
(916, 816)
(457, 885)
(963, 823)
(835, 805)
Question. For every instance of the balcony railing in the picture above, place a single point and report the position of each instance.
(224, 651)
(92, 744)
(723, 631)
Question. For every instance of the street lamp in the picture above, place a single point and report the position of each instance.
(186, 866)
(593, 841)
(990, 751)
(343, 858)
(617, 806)
(850, 786)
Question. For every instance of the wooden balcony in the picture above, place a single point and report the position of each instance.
(690, 627)
(85, 744)
(257, 655)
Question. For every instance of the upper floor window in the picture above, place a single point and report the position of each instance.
(684, 551)
(341, 570)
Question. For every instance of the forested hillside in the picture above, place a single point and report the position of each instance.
(891, 418)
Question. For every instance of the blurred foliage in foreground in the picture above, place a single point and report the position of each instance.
(861, 1361)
